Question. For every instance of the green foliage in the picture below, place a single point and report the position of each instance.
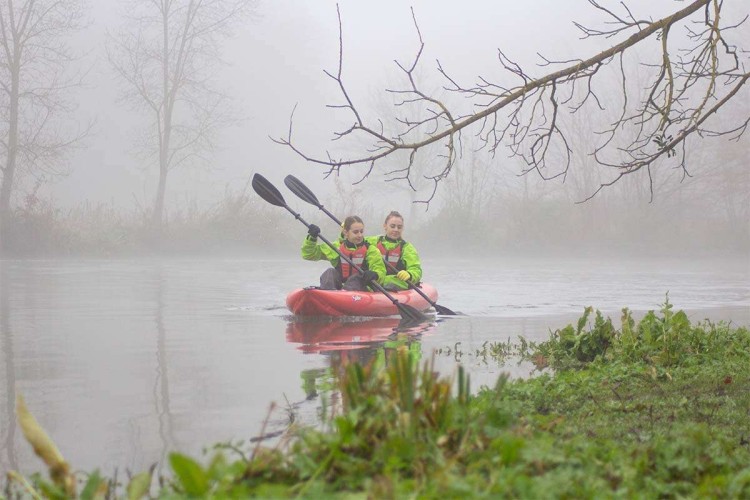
(661, 340)
(47, 489)
(658, 338)
(657, 409)
(139, 486)
(192, 479)
(399, 419)
(571, 345)
(497, 351)
(95, 487)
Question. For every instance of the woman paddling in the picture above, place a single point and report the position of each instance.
(352, 244)
(400, 257)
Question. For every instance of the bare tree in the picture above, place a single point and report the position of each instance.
(35, 86)
(696, 69)
(166, 55)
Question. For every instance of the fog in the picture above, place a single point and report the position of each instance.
(275, 61)
(124, 357)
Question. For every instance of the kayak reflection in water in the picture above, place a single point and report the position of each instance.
(400, 257)
(341, 341)
(352, 341)
(321, 334)
(352, 244)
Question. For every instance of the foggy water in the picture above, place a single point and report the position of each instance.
(123, 361)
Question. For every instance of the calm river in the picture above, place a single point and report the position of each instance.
(122, 361)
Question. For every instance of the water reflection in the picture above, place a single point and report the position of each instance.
(320, 334)
(8, 427)
(161, 383)
(347, 340)
(123, 360)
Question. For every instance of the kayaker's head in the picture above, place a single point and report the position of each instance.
(353, 230)
(394, 225)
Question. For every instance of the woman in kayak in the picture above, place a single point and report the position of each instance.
(352, 244)
(400, 257)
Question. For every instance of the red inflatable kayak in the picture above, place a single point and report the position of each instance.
(316, 302)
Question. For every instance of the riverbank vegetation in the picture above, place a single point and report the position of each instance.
(494, 220)
(654, 408)
(232, 226)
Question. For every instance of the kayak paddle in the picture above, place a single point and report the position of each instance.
(298, 188)
(268, 192)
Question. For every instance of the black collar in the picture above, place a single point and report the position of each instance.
(349, 244)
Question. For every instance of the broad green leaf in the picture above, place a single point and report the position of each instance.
(193, 478)
(139, 486)
(92, 486)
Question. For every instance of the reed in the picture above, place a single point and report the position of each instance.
(655, 409)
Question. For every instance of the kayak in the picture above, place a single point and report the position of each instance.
(316, 302)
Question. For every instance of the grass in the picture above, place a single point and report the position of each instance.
(654, 409)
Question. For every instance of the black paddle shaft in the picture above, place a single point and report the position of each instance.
(374, 284)
(297, 187)
(268, 192)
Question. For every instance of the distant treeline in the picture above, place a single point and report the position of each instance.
(555, 227)
(237, 225)
(243, 225)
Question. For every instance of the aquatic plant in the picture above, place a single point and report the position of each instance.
(655, 409)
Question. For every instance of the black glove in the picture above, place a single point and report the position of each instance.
(313, 231)
(369, 276)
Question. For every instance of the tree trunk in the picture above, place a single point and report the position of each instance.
(164, 144)
(164, 122)
(158, 215)
(9, 171)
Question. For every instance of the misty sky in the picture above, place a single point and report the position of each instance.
(276, 61)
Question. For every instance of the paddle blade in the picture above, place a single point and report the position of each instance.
(267, 191)
(297, 187)
(444, 310)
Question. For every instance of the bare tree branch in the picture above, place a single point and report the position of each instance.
(165, 56)
(686, 87)
(35, 87)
